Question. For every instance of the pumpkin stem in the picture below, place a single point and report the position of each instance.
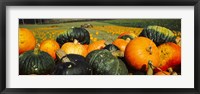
(76, 41)
(118, 53)
(170, 70)
(106, 43)
(150, 68)
(149, 49)
(37, 49)
(60, 53)
(174, 73)
(128, 40)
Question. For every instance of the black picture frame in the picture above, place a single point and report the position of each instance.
(4, 3)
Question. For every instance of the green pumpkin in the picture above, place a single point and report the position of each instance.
(111, 47)
(158, 34)
(127, 36)
(78, 33)
(104, 63)
(35, 62)
(71, 64)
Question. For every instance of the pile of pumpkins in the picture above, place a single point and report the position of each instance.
(153, 52)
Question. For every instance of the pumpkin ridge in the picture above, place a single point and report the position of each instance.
(41, 62)
(45, 60)
(31, 64)
(92, 59)
(37, 64)
(117, 67)
(27, 62)
(22, 59)
(50, 59)
(49, 64)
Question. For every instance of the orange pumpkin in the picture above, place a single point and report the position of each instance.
(170, 56)
(140, 51)
(74, 48)
(86, 46)
(121, 43)
(27, 40)
(50, 46)
(162, 73)
(96, 45)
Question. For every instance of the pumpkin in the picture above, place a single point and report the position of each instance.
(78, 33)
(140, 51)
(121, 43)
(170, 56)
(126, 35)
(158, 34)
(104, 63)
(71, 64)
(96, 45)
(50, 46)
(35, 62)
(86, 46)
(119, 54)
(27, 40)
(74, 48)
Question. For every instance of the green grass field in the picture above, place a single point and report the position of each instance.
(51, 31)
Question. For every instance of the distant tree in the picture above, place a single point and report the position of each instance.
(22, 21)
(35, 21)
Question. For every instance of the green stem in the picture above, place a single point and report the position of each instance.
(37, 49)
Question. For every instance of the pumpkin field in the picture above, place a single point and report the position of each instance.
(100, 47)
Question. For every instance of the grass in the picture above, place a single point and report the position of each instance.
(51, 31)
(173, 24)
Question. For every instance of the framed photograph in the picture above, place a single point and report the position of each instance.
(87, 46)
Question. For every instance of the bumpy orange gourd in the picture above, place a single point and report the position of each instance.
(121, 43)
(96, 45)
(170, 55)
(27, 40)
(50, 46)
(140, 51)
(74, 48)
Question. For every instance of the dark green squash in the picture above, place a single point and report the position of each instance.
(78, 33)
(35, 62)
(71, 64)
(127, 36)
(111, 47)
(104, 63)
(158, 34)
